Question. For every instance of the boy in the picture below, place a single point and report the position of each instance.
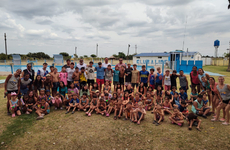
(100, 75)
(70, 72)
(191, 119)
(109, 74)
(167, 81)
(177, 117)
(121, 76)
(143, 75)
(116, 73)
(48, 82)
(76, 78)
(129, 112)
(152, 79)
(139, 113)
(128, 75)
(43, 109)
(74, 103)
(90, 72)
(117, 109)
(183, 81)
(51, 69)
(83, 77)
(158, 115)
(49, 97)
(183, 108)
(43, 72)
(173, 78)
(159, 77)
(67, 99)
(183, 95)
(135, 79)
(55, 79)
(101, 107)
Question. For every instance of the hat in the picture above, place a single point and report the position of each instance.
(13, 93)
(48, 75)
(96, 91)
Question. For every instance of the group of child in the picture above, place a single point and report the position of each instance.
(75, 89)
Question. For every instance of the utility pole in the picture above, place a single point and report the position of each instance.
(128, 53)
(136, 49)
(5, 45)
(97, 50)
(75, 50)
(229, 58)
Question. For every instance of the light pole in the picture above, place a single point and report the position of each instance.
(75, 50)
(216, 45)
(229, 58)
(5, 45)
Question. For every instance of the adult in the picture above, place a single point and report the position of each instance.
(128, 75)
(81, 64)
(194, 79)
(29, 71)
(67, 65)
(214, 97)
(106, 63)
(43, 72)
(120, 64)
(199, 108)
(70, 72)
(25, 84)
(12, 84)
(224, 95)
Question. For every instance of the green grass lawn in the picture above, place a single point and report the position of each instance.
(77, 131)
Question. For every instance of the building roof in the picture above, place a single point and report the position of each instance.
(189, 53)
(152, 55)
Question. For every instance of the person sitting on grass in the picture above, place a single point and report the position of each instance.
(158, 115)
(26, 108)
(101, 107)
(117, 109)
(205, 101)
(129, 112)
(192, 120)
(49, 97)
(111, 106)
(148, 101)
(198, 107)
(14, 105)
(84, 103)
(167, 106)
(183, 95)
(139, 113)
(183, 108)
(67, 99)
(43, 108)
(74, 103)
(193, 95)
(57, 101)
(158, 100)
(177, 117)
(93, 105)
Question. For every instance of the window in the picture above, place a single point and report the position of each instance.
(160, 57)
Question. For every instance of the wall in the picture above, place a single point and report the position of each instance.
(196, 57)
(149, 60)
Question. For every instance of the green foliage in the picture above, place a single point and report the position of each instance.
(64, 54)
(93, 55)
(226, 55)
(39, 55)
(85, 56)
(75, 55)
(81, 57)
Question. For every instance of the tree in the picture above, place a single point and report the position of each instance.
(64, 54)
(121, 55)
(39, 55)
(81, 57)
(226, 54)
(93, 55)
(75, 55)
(85, 56)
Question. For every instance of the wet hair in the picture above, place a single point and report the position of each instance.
(82, 68)
(106, 94)
(191, 116)
(183, 102)
(174, 71)
(76, 68)
(84, 94)
(181, 88)
(99, 63)
(143, 66)
(152, 69)
(72, 63)
(94, 96)
(200, 96)
(134, 65)
(212, 78)
(51, 67)
(45, 64)
(201, 69)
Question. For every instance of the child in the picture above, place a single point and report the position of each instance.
(84, 103)
(183, 95)
(176, 99)
(42, 94)
(119, 93)
(108, 74)
(111, 106)
(148, 102)
(67, 100)
(93, 90)
(152, 78)
(122, 76)
(191, 119)
(167, 106)
(51, 69)
(119, 87)
(139, 113)
(173, 90)
(134, 79)
(48, 82)
(117, 108)
(143, 75)
(38, 84)
(159, 91)
(159, 77)
(151, 90)
(193, 95)
(128, 75)
(90, 74)
(55, 80)
(107, 99)
(129, 112)
(205, 101)
(26, 108)
(183, 108)
(76, 78)
(107, 87)
(32, 99)
(100, 75)
(167, 80)
(93, 105)
(14, 105)
(173, 78)
(183, 81)
(124, 103)
(177, 117)
(83, 77)
(57, 102)
(158, 115)
(101, 107)
(63, 76)
(62, 89)
(49, 97)
(73, 89)
(43, 109)
(84, 90)
(74, 103)
(116, 73)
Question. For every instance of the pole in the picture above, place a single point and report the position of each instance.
(229, 59)
(128, 52)
(97, 50)
(187, 56)
(136, 49)
(5, 45)
(75, 50)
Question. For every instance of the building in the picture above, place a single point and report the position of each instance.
(150, 58)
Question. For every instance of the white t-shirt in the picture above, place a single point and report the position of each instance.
(105, 65)
(90, 71)
(70, 73)
(80, 66)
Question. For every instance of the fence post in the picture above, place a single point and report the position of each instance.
(12, 68)
(5, 62)
(146, 64)
(163, 67)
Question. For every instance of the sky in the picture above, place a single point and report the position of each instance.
(53, 26)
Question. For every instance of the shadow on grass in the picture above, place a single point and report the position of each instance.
(16, 129)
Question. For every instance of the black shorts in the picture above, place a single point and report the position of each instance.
(134, 85)
(213, 93)
(16, 91)
(145, 84)
(82, 84)
(226, 101)
(121, 80)
(68, 83)
(90, 82)
(55, 85)
(157, 84)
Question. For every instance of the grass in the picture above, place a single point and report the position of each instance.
(77, 131)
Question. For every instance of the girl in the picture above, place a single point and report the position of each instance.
(141, 92)
(129, 112)
(176, 99)
(119, 94)
(194, 79)
(117, 108)
(158, 101)
(215, 100)
(140, 86)
(124, 103)
(93, 89)
(49, 97)
(177, 117)
(152, 79)
(84, 103)
(38, 84)
(26, 108)
(167, 106)
(73, 89)
(107, 87)
(169, 95)
(151, 90)
(67, 100)
(148, 101)
(191, 118)
(119, 87)
(62, 89)
(167, 80)
(42, 94)
(57, 102)
(115, 96)
(14, 105)
(111, 106)
(63, 76)
(32, 99)
(84, 90)
(159, 91)
(158, 115)
(93, 105)
(139, 113)
(43, 109)
(207, 88)
(101, 107)
(201, 74)
(193, 95)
